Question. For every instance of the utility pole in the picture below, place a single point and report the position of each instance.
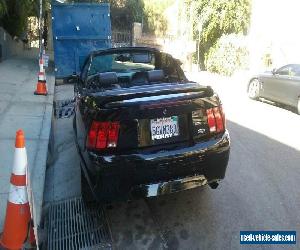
(40, 28)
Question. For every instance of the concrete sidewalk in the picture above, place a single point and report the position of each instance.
(20, 108)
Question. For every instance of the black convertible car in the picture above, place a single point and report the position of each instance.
(281, 86)
(142, 129)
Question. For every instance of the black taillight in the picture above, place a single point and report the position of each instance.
(103, 135)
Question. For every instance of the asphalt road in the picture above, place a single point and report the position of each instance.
(261, 190)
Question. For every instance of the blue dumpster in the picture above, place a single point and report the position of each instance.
(77, 30)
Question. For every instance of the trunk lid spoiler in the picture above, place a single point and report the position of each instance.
(144, 93)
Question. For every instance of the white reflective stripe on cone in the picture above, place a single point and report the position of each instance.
(20, 161)
(17, 194)
(42, 78)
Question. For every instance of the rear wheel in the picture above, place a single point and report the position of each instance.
(253, 89)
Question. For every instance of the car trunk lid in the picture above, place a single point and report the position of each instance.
(155, 116)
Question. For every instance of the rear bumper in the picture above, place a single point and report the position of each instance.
(168, 187)
(126, 176)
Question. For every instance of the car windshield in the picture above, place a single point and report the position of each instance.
(122, 63)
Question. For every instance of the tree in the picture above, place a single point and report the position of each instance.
(154, 15)
(3, 8)
(229, 54)
(216, 18)
(15, 13)
(124, 13)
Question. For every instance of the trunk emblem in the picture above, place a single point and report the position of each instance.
(165, 111)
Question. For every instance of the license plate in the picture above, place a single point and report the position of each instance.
(163, 128)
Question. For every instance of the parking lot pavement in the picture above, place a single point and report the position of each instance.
(20, 108)
(260, 191)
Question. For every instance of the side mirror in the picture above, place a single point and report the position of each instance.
(274, 71)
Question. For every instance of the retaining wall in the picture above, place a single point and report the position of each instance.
(10, 47)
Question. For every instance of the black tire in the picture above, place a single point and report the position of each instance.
(253, 89)
(86, 192)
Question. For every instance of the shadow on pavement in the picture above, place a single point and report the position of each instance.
(260, 192)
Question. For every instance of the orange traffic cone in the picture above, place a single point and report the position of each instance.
(17, 212)
(32, 239)
(41, 87)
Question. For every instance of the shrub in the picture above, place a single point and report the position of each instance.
(229, 54)
(216, 18)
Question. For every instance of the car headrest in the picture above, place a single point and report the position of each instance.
(108, 78)
(156, 76)
(141, 58)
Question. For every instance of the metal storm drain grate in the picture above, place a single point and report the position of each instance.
(64, 108)
(70, 225)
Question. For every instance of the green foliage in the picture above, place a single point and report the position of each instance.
(148, 12)
(213, 18)
(218, 17)
(14, 16)
(126, 12)
(229, 54)
(3, 8)
(155, 21)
